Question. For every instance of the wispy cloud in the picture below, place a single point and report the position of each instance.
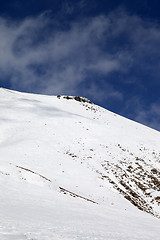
(57, 61)
(40, 55)
(142, 112)
(149, 116)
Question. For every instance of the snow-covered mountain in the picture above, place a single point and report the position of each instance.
(70, 169)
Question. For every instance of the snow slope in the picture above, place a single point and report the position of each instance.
(72, 170)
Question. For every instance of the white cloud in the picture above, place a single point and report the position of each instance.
(57, 63)
(37, 56)
(148, 115)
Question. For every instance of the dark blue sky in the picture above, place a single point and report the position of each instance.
(108, 51)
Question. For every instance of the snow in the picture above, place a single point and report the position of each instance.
(47, 143)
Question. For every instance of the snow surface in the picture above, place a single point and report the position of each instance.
(59, 155)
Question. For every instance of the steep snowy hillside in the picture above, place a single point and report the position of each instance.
(72, 170)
